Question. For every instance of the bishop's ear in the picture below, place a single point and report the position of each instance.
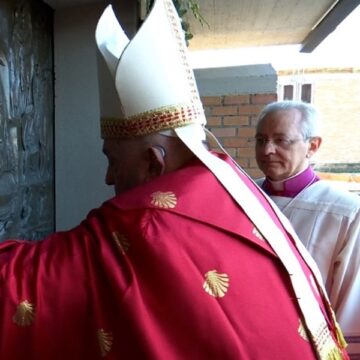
(314, 144)
(156, 165)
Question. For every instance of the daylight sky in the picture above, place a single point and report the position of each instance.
(340, 48)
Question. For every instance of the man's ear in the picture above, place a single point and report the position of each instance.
(156, 165)
(314, 144)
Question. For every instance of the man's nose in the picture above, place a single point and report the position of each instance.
(269, 147)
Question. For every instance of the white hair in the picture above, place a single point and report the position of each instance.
(310, 117)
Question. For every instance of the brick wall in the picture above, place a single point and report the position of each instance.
(336, 94)
(232, 119)
(338, 100)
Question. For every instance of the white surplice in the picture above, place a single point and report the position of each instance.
(327, 221)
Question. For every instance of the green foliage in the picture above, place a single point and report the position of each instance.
(183, 7)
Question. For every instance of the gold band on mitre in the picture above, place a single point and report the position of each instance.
(164, 118)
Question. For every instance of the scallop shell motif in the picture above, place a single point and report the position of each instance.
(166, 200)
(302, 331)
(216, 284)
(105, 340)
(25, 314)
(256, 232)
(121, 242)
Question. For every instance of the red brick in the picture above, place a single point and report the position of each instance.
(253, 163)
(253, 120)
(242, 162)
(236, 120)
(224, 110)
(236, 99)
(235, 142)
(246, 132)
(214, 121)
(224, 132)
(208, 111)
(328, 94)
(263, 98)
(245, 152)
(250, 109)
(211, 100)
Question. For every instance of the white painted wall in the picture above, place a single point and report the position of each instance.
(79, 163)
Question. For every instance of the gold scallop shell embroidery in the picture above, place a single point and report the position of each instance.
(216, 284)
(105, 340)
(121, 242)
(166, 200)
(302, 331)
(256, 232)
(25, 314)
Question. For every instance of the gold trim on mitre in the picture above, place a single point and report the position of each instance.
(165, 118)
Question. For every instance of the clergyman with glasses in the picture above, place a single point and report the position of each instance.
(326, 218)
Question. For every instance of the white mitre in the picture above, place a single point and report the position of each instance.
(154, 82)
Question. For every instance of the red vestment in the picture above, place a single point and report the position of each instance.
(172, 269)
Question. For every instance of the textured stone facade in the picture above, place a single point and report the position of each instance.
(26, 120)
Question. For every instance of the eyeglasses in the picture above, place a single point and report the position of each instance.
(280, 142)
